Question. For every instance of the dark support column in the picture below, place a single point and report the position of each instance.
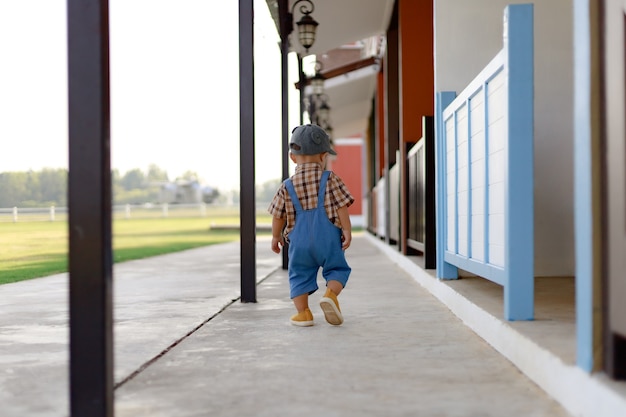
(90, 257)
(392, 112)
(301, 79)
(404, 198)
(430, 241)
(285, 29)
(247, 211)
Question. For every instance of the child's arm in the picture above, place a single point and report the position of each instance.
(346, 227)
(278, 240)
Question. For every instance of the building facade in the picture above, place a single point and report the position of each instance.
(529, 163)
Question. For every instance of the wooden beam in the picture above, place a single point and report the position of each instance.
(344, 69)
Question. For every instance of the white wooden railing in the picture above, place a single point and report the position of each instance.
(485, 171)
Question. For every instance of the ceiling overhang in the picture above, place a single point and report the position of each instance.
(350, 97)
(340, 23)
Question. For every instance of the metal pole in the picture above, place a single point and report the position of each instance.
(247, 203)
(90, 251)
(301, 78)
(284, 60)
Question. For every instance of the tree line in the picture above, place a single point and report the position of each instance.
(34, 188)
(48, 187)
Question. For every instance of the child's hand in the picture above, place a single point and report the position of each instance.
(277, 243)
(346, 239)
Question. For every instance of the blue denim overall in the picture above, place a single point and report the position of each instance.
(314, 242)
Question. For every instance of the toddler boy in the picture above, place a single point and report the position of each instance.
(310, 213)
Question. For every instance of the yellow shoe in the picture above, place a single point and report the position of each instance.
(303, 319)
(330, 307)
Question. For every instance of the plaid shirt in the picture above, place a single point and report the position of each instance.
(306, 182)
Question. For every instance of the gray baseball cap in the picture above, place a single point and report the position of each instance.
(310, 140)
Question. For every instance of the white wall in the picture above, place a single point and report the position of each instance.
(468, 34)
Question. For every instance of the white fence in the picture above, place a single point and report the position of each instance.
(128, 211)
(485, 171)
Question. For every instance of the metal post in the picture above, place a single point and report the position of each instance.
(301, 78)
(284, 60)
(392, 122)
(247, 203)
(430, 235)
(90, 257)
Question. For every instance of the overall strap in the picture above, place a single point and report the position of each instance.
(294, 196)
(322, 192)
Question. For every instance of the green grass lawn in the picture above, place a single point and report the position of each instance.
(37, 249)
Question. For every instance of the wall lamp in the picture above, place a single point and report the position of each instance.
(323, 111)
(317, 81)
(306, 25)
(318, 109)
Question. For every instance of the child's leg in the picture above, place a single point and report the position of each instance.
(302, 284)
(301, 302)
(330, 304)
(334, 286)
(304, 317)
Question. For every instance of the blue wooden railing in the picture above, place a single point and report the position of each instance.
(485, 171)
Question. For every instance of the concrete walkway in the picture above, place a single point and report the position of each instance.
(184, 346)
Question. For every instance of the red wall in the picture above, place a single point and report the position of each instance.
(417, 78)
(348, 165)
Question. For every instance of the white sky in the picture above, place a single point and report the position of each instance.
(174, 87)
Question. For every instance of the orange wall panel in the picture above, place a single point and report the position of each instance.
(348, 166)
(417, 78)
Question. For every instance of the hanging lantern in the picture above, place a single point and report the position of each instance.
(307, 26)
(323, 111)
(317, 83)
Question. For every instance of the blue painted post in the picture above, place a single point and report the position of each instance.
(468, 104)
(583, 213)
(444, 269)
(486, 183)
(519, 233)
(455, 192)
